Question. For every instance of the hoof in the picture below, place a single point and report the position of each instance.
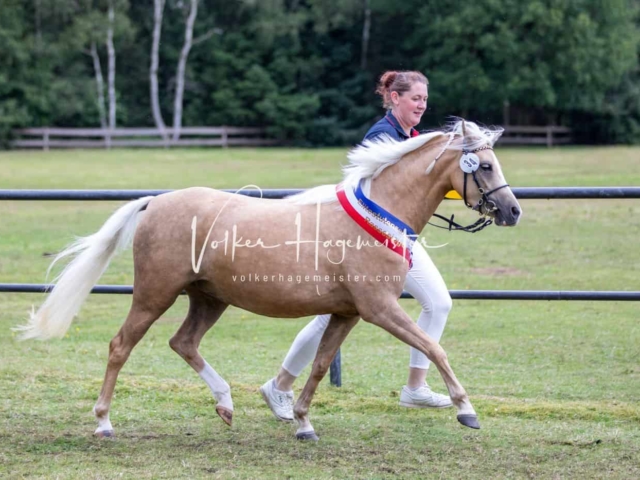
(105, 434)
(469, 420)
(307, 436)
(225, 414)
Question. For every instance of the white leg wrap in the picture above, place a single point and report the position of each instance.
(104, 425)
(465, 408)
(304, 426)
(220, 389)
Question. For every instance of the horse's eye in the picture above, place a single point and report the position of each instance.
(486, 166)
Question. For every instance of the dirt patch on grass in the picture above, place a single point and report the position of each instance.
(498, 271)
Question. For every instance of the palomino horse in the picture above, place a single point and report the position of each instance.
(307, 253)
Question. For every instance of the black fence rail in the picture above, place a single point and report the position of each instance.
(522, 193)
(591, 295)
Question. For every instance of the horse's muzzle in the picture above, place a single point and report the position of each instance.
(507, 217)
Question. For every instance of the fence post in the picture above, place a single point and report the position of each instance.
(107, 139)
(549, 136)
(335, 373)
(225, 137)
(45, 139)
(505, 113)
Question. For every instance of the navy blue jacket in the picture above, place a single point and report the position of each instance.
(389, 125)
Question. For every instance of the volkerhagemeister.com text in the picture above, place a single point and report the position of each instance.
(335, 278)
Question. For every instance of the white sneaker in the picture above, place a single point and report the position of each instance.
(280, 403)
(423, 397)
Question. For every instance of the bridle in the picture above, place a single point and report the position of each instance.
(484, 206)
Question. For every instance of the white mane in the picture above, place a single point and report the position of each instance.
(369, 159)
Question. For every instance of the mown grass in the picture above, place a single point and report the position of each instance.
(556, 384)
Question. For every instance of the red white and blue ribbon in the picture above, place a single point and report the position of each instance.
(383, 226)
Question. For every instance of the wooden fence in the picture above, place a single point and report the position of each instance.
(549, 135)
(46, 138)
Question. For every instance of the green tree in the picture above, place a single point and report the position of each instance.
(15, 58)
(557, 56)
(306, 69)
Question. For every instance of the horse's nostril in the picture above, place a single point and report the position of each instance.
(515, 211)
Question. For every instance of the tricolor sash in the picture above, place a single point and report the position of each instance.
(387, 229)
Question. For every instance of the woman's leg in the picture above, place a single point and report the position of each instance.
(304, 348)
(277, 392)
(426, 285)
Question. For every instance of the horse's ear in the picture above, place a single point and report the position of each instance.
(464, 134)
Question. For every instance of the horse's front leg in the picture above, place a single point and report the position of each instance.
(390, 316)
(337, 330)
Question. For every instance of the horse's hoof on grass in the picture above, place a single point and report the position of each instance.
(307, 436)
(105, 434)
(225, 414)
(469, 420)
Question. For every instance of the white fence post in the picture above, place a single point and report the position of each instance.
(225, 137)
(107, 139)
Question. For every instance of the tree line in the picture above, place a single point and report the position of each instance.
(306, 69)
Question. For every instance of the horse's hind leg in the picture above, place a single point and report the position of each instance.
(204, 312)
(337, 330)
(141, 316)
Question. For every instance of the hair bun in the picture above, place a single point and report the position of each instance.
(388, 78)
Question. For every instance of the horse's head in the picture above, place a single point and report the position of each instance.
(405, 178)
(477, 175)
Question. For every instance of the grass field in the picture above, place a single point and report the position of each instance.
(556, 384)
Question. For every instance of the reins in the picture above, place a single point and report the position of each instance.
(453, 226)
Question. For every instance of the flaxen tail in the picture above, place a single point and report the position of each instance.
(73, 285)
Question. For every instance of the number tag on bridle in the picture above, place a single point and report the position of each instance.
(469, 162)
